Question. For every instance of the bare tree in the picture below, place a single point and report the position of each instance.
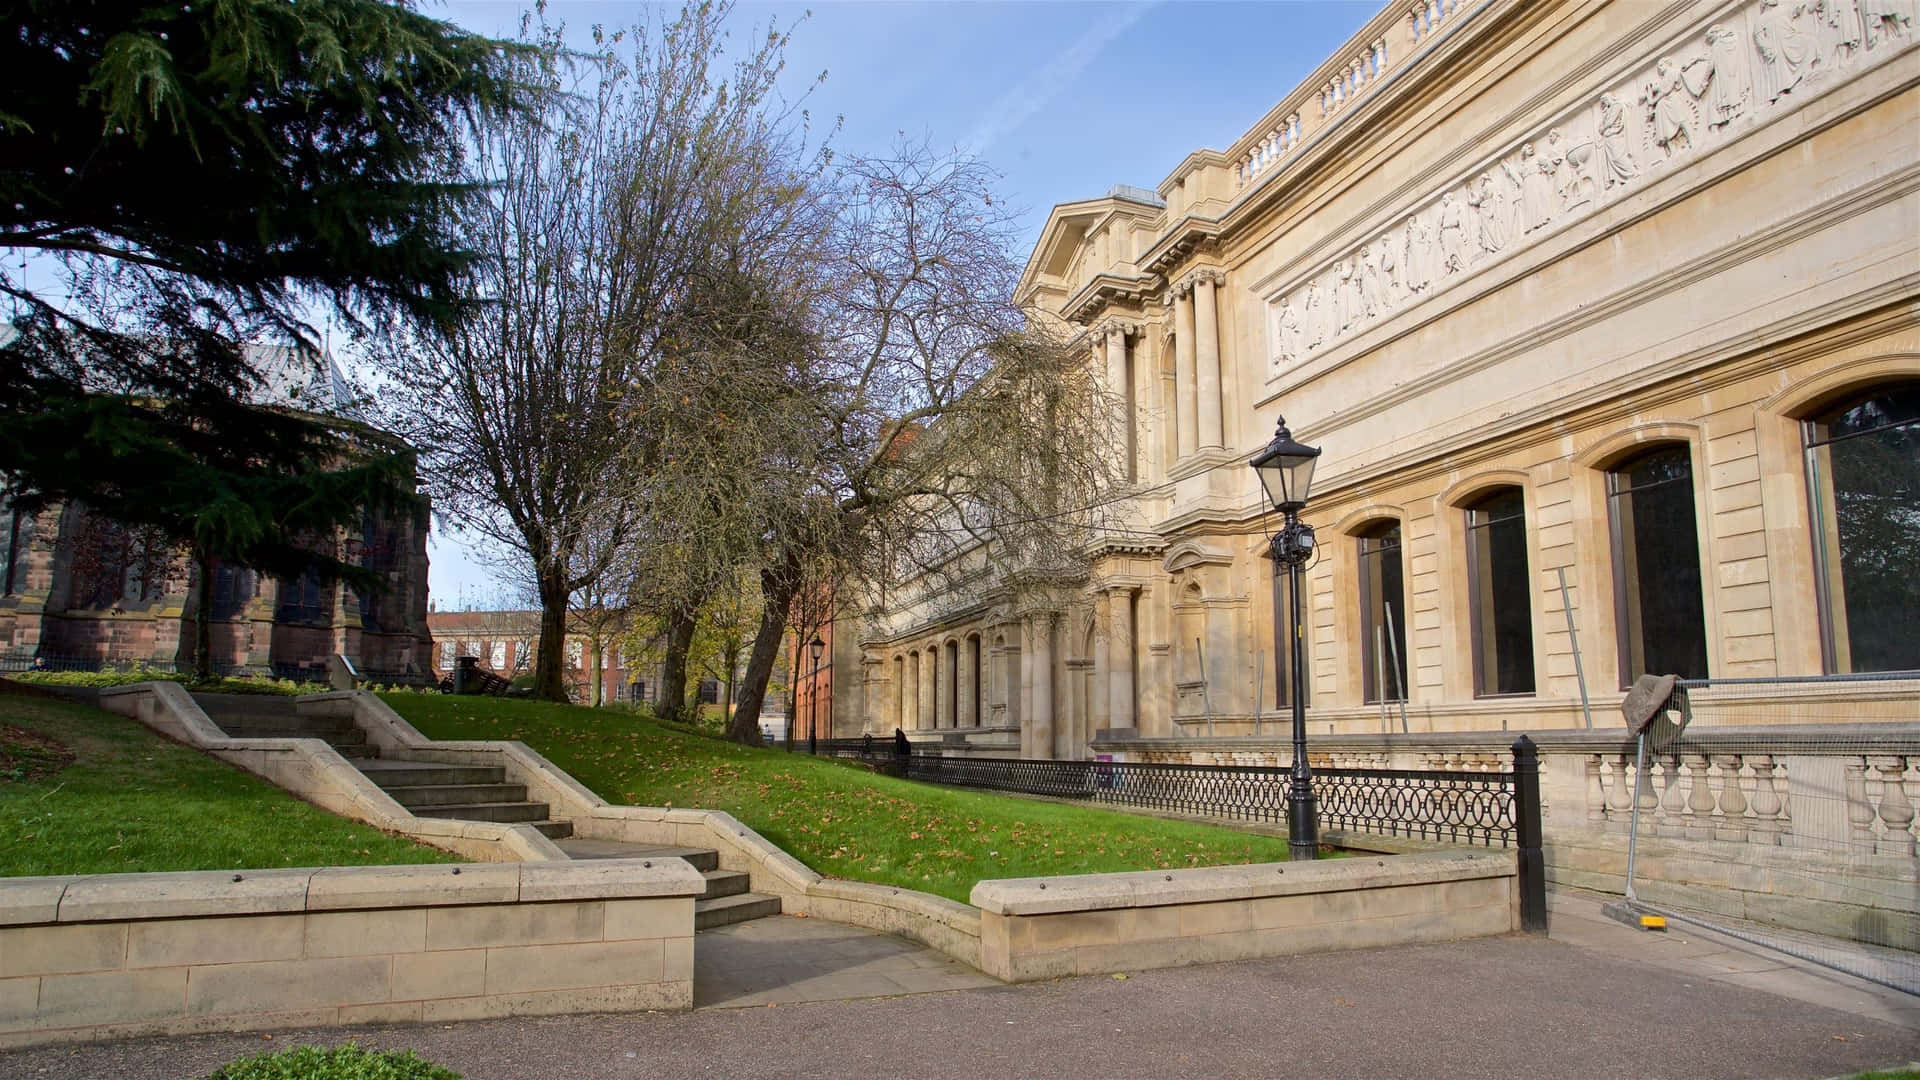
(640, 173)
(944, 436)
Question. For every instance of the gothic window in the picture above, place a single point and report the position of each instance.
(233, 590)
(1863, 476)
(1499, 597)
(1383, 614)
(303, 599)
(377, 547)
(1656, 566)
(16, 535)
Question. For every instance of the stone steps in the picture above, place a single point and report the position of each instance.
(260, 716)
(399, 772)
(435, 796)
(728, 897)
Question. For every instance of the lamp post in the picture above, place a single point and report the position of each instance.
(1285, 469)
(813, 695)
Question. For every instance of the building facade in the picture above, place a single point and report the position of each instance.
(79, 590)
(1606, 318)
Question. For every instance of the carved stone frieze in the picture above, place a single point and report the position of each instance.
(1741, 69)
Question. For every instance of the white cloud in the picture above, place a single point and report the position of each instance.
(1030, 95)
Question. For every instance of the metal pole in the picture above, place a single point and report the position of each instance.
(1633, 819)
(1206, 698)
(1259, 691)
(813, 710)
(1303, 816)
(1573, 642)
(1399, 685)
(1526, 815)
(1380, 673)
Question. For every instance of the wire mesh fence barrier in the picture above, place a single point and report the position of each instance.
(1459, 807)
(1781, 802)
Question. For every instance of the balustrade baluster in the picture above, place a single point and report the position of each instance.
(1596, 794)
(1620, 799)
(1896, 810)
(1733, 801)
(1699, 798)
(1766, 801)
(1860, 815)
(1672, 818)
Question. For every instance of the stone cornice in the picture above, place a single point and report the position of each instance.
(1107, 289)
(1184, 284)
(1129, 327)
(1125, 545)
(1187, 236)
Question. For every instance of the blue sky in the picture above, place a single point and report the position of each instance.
(1065, 99)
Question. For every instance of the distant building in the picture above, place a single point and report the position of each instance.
(79, 590)
(506, 643)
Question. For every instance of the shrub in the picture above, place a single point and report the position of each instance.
(226, 684)
(347, 1062)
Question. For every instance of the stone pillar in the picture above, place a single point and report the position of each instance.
(930, 688)
(968, 675)
(1096, 717)
(910, 721)
(949, 685)
(1040, 665)
(1120, 707)
(1185, 416)
(1117, 384)
(1146, 419)
(1207, 374)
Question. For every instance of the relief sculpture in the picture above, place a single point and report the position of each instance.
(1692, 94)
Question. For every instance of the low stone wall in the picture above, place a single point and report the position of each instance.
(1862, 897)
(1037, 928)
(117, 955)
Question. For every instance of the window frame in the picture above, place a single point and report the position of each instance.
(1473, 538)
(1382, 530)
(1626, 603)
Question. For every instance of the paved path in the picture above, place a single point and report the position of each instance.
(1596, 999)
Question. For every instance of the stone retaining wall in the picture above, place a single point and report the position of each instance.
(118, 955)
(1042, 928)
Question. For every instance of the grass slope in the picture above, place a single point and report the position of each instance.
(837, 818)
(133, 801)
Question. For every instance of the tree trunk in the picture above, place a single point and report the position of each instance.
(673, 670)
(777, 587)
(203, 618)
(593, 695)
(549, 678)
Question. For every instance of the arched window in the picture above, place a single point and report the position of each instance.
(1656, 566)
(1499, 594)
(1863, 478)
(1383, 613)
(13, 549)
(304, 600)
(233, 590)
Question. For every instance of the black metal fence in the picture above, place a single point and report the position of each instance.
(1456, 807)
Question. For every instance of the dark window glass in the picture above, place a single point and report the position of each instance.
(1383, 615)
(303, 599)
(1656, 563)
(1500, 600)
(1863, 473)
(1283, 645)
(232, 591)
(709, 691)
(11, 547)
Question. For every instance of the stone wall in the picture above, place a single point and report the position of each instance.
(1035, 928)
(121, 955)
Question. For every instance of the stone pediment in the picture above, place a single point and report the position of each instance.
(1189, 554)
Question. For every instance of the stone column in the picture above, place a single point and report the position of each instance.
(1185, 416)
(928, 681)
(943, 690)
(1117, 384)
(1040, 664)
(1146, 422)
(1120, 707)
(1207, 375)
(969, 675)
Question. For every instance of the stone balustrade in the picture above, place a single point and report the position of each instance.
(1424, 18)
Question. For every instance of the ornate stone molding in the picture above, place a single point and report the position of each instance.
(1129, 327)
(1742, 69)
(1106, 290)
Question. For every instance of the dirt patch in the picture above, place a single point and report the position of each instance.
(27, 756)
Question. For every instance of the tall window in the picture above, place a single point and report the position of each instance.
(303, 599)
(1383, 614)
(232, 591)
(1656, 566)
(16, 533)
(1863, 473)
(497, 655)
(1282, 672)
(1500, 596)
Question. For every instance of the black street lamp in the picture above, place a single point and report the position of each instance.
(813, 695)
(1285, 469)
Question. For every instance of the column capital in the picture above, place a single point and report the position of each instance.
(1208, 275)
(1114, 324)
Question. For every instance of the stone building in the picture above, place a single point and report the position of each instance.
(78, 590)
(1606, 317)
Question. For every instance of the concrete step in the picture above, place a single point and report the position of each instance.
(265, 704)
(432, 795)
(401, 772)
(554, 830)
(724, 910)
(336, 736)
(511, 812)
(725, 883)
(361, 753)
(281, 720)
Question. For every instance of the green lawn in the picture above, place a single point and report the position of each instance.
(131, 801)
(836, 817)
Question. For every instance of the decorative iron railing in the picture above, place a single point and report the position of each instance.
(1457, 807)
